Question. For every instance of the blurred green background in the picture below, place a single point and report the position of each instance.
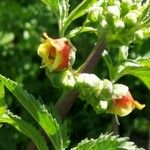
(21, 26)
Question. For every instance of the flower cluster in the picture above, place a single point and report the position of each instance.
(128, 17)
(58, 55)
(104, 96)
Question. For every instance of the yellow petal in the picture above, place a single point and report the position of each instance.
(138, 105)
(43, 49)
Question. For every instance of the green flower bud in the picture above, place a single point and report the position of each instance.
(103, 104)
(69, 81)
(139, 35)
(103, 23)
(95, 15)
(130, 19)
(119, 25)
(113, 11)
(112, 14)
(88, 85)
(62, 79)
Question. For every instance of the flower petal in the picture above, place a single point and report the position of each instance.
(138, 105)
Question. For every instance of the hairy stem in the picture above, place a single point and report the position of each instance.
(67, 99)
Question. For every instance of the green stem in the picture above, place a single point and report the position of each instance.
(68, 98)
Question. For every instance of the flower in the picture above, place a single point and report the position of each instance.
(57, 54)
(123, 102)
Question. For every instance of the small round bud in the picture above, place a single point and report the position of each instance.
(103, 23)
(139, 35)
(130, 19)
(96, 14)
(69, 81)
(119, 25)
(113, 11)
(103, 104)
(88, 85)
(63, 79)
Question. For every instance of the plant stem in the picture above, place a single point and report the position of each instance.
(67, 99)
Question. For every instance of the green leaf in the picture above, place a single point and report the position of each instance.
(38, 112)
(63, 9)
(139, 68)
(53, 4)
(145, 11)
(106, 142)
(2, 100)
(63, 126)
(123, 53)
(25, 128)
(79, 11)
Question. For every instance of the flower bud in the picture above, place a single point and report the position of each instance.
(89, 85)
(112, 14)
(113, 10)
(119, 25)
(57, 54)
(130, 19)
(139, 35)
(96, 14)
(122, 101)
(103, 23)
(63, 79)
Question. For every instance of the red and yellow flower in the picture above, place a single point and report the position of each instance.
(123, 102)
(57, 54)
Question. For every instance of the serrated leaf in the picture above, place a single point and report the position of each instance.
(25, 128)
(2, 100)
(37, 110)
(63, 126)
(79, 11)
(139, 68)
(106, 142)
(65, 137)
